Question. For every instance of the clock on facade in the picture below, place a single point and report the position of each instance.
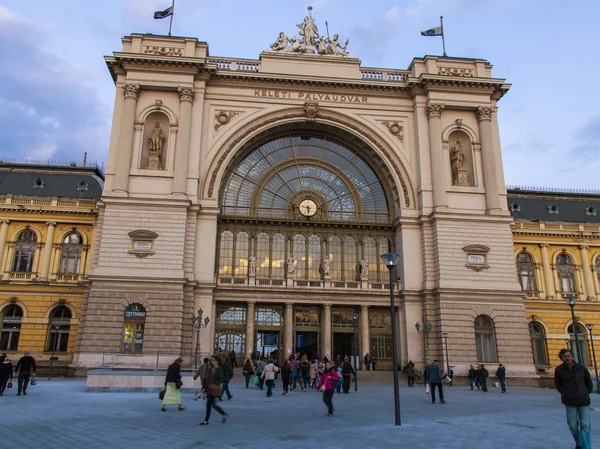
(308, 208)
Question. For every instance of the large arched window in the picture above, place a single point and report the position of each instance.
(60, 327)
(241, 254)
(598, 268)
(133, 329)
(485, 339)
(70, 255)
(581, 348)
(350, 261)
(11, 327)
(335, 256)
(538, 343)
(314, 257)
(278, 261)
(384, 247)
(24, 251)
(262, 255)
(526, 272)
(226, 254)
(566, 273)
(299, 252)
(370, 255)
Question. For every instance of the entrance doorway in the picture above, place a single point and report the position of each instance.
(343, 343)
(268, 343)
(307, 343)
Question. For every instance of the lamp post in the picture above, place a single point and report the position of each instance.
(570, 299)
(391, 259)
(356, 362)
(445, 335)
(589, 328)
(53, 329)
(198, 324)
(425, 332)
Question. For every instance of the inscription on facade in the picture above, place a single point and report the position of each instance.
(336, 98)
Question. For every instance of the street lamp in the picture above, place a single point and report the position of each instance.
(356, 358)
(391, 259)
(570, 299)
(589, 328)
(426, 330)
(445, 335)
(53, 329)
(198, 324)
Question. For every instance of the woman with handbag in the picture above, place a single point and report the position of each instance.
(211, 385)
(172, 385)
(6, 374)
(249, 370)
(269, 375)
(327, 387)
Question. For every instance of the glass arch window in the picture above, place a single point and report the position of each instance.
(370, 255)
(384, 247)
(581, 348)
(60, 328)
(335, 256)
(70, 254)
(241, 254)
(526, 272)
(275, 171)
(538, 343)
(314, 256)
(278, 261)
(350, 262)
(133, 329)
(299, 252)
(11, 327)
(24, 251)
(485, 339)
(263, 257)
(226, 254)
(566, 273)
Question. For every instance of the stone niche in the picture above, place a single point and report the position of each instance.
(460, 150)
(155, 142)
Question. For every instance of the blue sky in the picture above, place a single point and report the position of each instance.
(56, 95)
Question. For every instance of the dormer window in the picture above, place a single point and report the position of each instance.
(590, 211)
(38, 184)
(83, 186)
(515, 207)
(553, 209)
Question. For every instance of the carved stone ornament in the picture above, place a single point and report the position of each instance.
(485, 112)
(311, 109)
(434, 109)
(142, 243)
(395, 129)
(186, 94)
(131, 90)
(222, 118)
(477, 257)
(455, 71)
(164, 51)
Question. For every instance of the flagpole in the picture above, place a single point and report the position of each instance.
(173, 12)
(441, 24)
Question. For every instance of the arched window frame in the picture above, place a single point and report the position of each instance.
(263, 255)
(225, 268)
(349, 257)
(539, 345)
(134, 323)
(70, 253)
(485, 339)
(582, 350)
(241, 253)
(335, 256)
(299, 254)
(526, 272)
(565, 269)
(25, 245)
(59, 329)
(10, 327)
(278, 256)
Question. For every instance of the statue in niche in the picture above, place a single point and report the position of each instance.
(364, 269)
(290, 266)
(252, 266)
(281, 43)
(309, 31)
(155, 141)
(325, 268)
(457, 159)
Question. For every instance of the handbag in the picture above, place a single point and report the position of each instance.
(9, 384)
(161, 394)
(256, 380)
(323, 388)
(213, 389)
(33, 380)
(427, 391)
(179, 384)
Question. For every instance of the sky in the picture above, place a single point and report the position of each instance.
(56, 94)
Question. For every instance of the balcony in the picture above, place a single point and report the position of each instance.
(20, 275)
(252, 282)
(67, 277)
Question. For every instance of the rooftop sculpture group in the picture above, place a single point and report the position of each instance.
(310, 41)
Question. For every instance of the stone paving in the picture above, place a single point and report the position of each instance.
(59, 413)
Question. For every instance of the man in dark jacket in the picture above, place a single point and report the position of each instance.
(472, 374)
(483, 375)
(433, 375)
(574, 383)
(347, 372)
(25, 366)
(501, 375)
(227, 375)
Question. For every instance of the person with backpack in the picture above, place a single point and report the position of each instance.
(227, 376)
(260, 367)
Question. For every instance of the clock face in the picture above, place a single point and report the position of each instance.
(308, 208)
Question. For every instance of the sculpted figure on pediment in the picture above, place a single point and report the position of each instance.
(281, 43)
(334, 48)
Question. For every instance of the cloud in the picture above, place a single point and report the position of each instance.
(587, 141)
(46, 109)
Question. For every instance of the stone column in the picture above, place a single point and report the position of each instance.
(548, 280)
(490, 169)
(125, 148)
(326, 331)
(364, 331)
(438, 172)
(289, 330)
(588, 282)
(250, 342)
(3, 235)
(47, 255)
(186, 97)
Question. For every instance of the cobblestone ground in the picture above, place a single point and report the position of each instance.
(60, 413)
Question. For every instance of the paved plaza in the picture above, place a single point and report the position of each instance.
(59, 413)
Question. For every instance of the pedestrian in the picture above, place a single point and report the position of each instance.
(269, 376)
(202, 371)
(373, 361)
(286, 373)
(227, 376)
(211, 386)
(368, 362)
(233, 359)
(478, 377)
(305, 370)
(501, 375)
(314, 369)
(433, 375)
(472, 373)
(25, 367)
(338, 385)
(248, 370)
(295, 367)
(6, 373)
(173, 383)
(260, 367)
(326, 386)
(483, 375)
(411, 374)
(574, 383)
(347, 372)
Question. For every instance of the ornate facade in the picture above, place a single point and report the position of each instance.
(277, 184)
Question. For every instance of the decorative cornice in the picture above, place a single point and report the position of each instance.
(456, 71)
(186, 94)
(485, 113)
(131, 91)
(434, 109)
(163, 51)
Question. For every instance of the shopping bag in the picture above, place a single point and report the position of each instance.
(427, 390)
(33, 380)
(256, 380)
(497, 384)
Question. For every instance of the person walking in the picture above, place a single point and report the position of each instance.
(227, 376)
(373, 361)
(25, 367)
(574, 383)
(326, 386)
(472, 373)
(305, 370)
(248, 370)
(211, 386)
(501, 375)
(483, 375)
(314, 370)
(260, 367)
(478, 377)
(172, 385)
(368, 361)
(411, 374)
(286, 373)
(295, 367)
(201, 373)
(6, 373)
(269, 376)
(347, 372)
(433, 375)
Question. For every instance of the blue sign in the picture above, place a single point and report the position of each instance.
(299, 341)
(270, 340)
